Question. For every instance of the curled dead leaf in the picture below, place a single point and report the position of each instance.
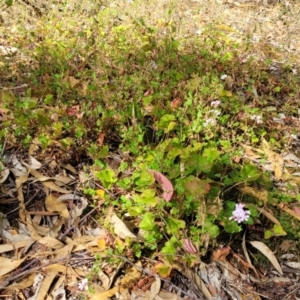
(165, 184)
(189, 247)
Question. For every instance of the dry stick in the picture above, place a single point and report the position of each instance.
(26, 272)
(84, 217)
(151, 274)
(26, 203)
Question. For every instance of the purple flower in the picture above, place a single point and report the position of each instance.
(239, 214)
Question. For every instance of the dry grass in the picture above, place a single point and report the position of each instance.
(275, 24)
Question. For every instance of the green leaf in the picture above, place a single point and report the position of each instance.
(135, 211)
(136, 248)
(250, 173)
(189, 150)
(107, 177)
(148, 222)
(9, 2)
(170, 127)
(96, 153)
(43, 119)
(147, 198)
(277, 230)
(165, 121)
(211, 154)
(170, 248)
(124, 183)
(143, 178)
(232, 227)
(230, 205)
(196, 186)
(174, 225)
(199, 163)
(211, 229)
(57, 129)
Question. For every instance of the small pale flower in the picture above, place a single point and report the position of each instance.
(239, 214)
(216, 112)
(294, 136)
(224, 76)
(210, 121)
(215, 103)
(257, 119)
(282, 116)
(83, 285)
(152, 65)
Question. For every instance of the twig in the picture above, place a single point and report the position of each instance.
(154, 275)
(26, 272)
(84, 217)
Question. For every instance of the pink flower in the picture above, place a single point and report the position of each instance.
(239, 214)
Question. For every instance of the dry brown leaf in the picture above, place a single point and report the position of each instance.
(198, 278)
(124, 295)
(52, 205)
(62, 180)
(275, 159)
(98, 293)
(49, 184)
(247, 255)
(52, 271)
(70, 168)
(33, 226)
(34, 146)
(100, 139)
(19, 182)
(155, 288)
(23, 284)
(14, 246)
(125, 283)
(120, 229)
(50, 242)
(8, 265)
(34, 163)
(66, 250)
(267, 214)
(163, 295)
(59, 291)
(289, 211)
(105, 280)
(3, 173)
(266, 251)
(71, 80)
(259, 194)
(56, 227)
(285, 245)
(18, 169)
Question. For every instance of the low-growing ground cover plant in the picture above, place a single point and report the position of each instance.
(182, 139)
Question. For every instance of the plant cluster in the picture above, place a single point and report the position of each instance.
(185, 107)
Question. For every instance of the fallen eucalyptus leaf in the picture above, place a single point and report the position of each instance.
(266, 251)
